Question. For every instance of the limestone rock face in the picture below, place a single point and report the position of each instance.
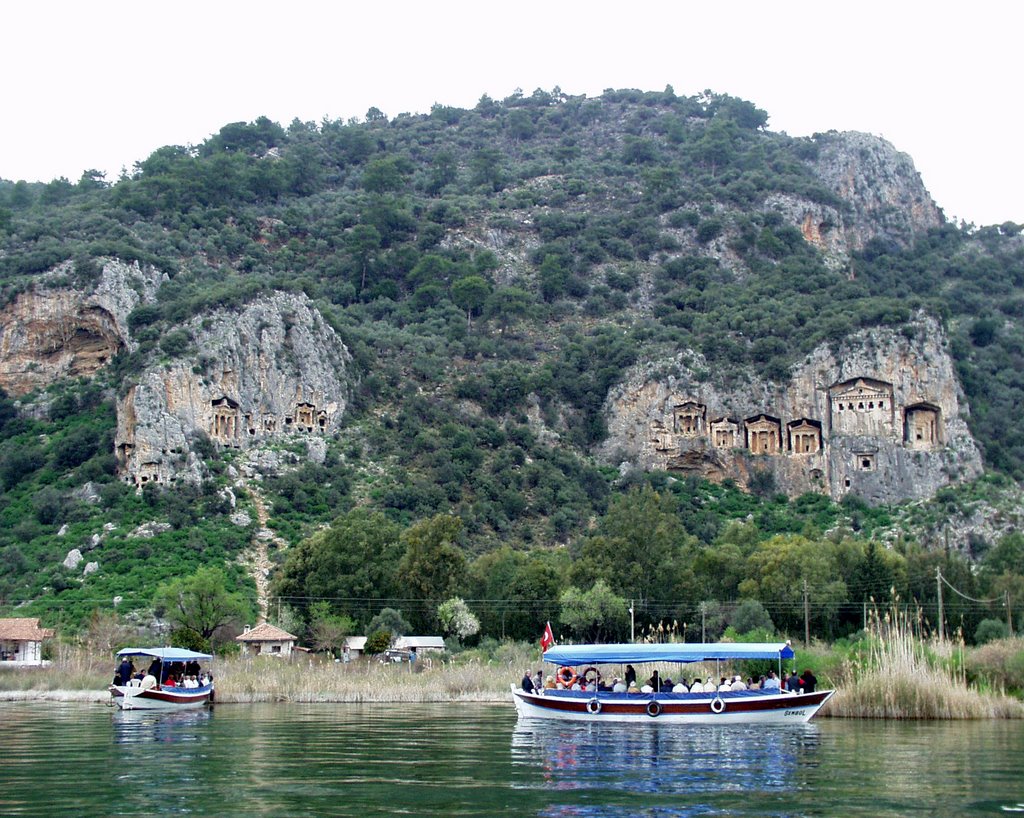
(274, 370)
(56, 331)
(882, 189)
(887, 198)
(882, 417)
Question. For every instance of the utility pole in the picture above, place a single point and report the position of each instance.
(807, 617)
(1009, 613)
(938, 586)
(632, 623)
(703, 621)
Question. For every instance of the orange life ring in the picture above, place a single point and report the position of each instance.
(567, 676)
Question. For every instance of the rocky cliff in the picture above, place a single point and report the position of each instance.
(881, 416)
(882, 193)
(56, 330)
(275, 370)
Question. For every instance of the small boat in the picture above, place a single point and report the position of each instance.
(719, 707)
(148, 693)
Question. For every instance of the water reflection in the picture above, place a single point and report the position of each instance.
(148, 726)
(666, 761)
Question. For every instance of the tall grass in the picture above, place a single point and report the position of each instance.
(269, 679)
(907, 674)
(74, 674)
(898, 672)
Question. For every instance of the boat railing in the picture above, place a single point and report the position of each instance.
(608, 695)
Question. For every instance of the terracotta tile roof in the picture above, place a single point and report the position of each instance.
(23, 630)
(265, 632)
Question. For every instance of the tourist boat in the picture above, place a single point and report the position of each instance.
(733, 707)
(149, 694)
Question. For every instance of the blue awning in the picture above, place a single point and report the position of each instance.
(166, 654)
(573, 655)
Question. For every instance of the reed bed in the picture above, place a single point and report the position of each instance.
(73, 669)
(908, 675)
(899, 674)
(271, 680)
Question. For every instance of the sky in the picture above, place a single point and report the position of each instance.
(101, 85)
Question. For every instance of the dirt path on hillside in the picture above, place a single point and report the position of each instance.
(257, 559)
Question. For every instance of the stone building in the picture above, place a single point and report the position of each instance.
(266, 640)
(21, 641)
(862, 406)
(764, 434)
(922, 426)
(804, 436)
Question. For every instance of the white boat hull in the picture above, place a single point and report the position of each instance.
(750, 707)
(169, 698)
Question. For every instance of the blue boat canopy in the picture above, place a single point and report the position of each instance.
(574, 655)
(166, 654)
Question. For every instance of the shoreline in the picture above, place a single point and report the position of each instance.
(103, 697)
(424, 696)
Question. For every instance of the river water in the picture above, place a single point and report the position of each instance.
(476, 760)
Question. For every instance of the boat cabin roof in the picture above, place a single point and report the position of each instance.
(573, 655)
(165, 654)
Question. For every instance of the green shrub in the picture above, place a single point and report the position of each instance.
(989, 630)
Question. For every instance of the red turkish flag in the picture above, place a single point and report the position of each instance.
(548, 639)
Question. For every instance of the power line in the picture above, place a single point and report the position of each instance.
(965, 596)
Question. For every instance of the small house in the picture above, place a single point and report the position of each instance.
(420, 644)
(355, 646)
(266, 639)
(21, 641)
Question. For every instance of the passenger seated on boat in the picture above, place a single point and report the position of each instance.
(549, 683)
(723, 685)
(190, 682)
(808, 681)
(206, 679)
(169, 682)
(679, 687)
(771, 682)
(148, 681)
(697, 686)
(655, 681)
(577, 686)
(618, 686)
(646, 689)
(527, 683)
(666, 685)
(793, 682)
(738, 684)
(633, 688)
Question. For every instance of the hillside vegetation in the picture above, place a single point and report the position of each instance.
(494, 272)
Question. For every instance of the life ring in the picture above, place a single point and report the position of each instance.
(585, 675)
(594, 706)
(653, 709)
(717, 704)
(567, 676)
